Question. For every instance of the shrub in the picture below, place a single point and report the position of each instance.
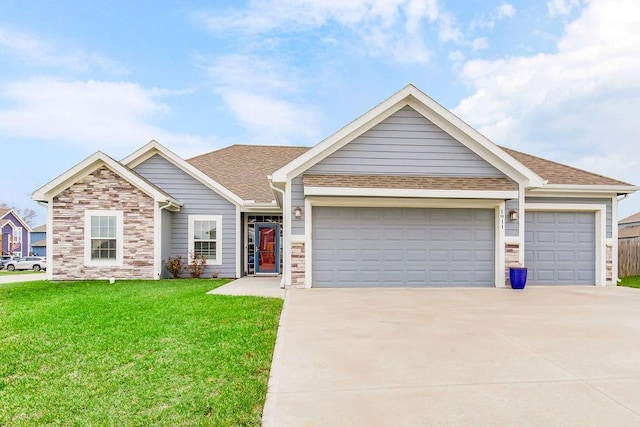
(175, 266)
(197, 265)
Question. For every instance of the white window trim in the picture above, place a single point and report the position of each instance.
(118, 262)
(218, 220)
(17, 235)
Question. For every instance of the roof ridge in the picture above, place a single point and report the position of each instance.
(247, 145)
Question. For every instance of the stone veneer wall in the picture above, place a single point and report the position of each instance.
(297, 264)
(102, 189)
(512, 252)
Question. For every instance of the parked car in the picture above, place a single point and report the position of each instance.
(35, 263)
(6, 258)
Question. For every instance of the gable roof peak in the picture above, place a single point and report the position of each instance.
(424, 105)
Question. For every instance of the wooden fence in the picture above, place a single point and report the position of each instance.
(629, 257)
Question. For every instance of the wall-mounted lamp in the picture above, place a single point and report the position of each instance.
(297, 212)
(513, 215)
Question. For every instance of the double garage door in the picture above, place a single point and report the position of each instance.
(386, 247)
(560, 248)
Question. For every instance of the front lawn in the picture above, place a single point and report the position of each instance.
(133, 353)
(631, 282)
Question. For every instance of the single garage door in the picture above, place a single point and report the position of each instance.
(560, 248)
(386, 247)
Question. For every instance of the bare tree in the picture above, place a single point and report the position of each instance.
(26, 214)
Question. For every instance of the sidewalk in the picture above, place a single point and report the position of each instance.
(15, 278)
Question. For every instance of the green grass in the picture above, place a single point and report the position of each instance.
(133, 353)
(631, 281)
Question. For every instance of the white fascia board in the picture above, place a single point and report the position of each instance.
(381, 202)
(346, 134)
(91, 164)
(261, 208)
(394, 192)
(154, 147)
(600, 189)
(72, 175)
(474, 140)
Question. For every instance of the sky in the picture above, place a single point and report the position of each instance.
(558, 79)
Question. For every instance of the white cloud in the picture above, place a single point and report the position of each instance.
(263, 94)
(505, 10)
(387, 28)
(104, 115)
(578, 104)
(34, 51)
(479, 43)
(456, 56)
(271, 120)
(563, 7)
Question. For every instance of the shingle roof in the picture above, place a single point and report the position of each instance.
(557, 173)
(409, 182)
(39, 243)
(243, 169)
(628, 232)
(631, 218)
(40, 229)
(3, 212)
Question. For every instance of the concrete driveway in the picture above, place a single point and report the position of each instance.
(419, 357)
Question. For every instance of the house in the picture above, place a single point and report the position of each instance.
(405, 195)
(14, 238)
(38, 238)
(629, 227)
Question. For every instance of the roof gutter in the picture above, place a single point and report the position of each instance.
(284, 234)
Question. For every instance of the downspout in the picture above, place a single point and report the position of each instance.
(159, 233)
(284, 234)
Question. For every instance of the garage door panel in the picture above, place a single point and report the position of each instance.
(461, 255)
(416, 255)
(483, 256)
(586, 238)
(560, 247)
(566, 237)
(405, 247)
(566, 256)
(439, 235)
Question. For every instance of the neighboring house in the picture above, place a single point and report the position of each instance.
(629, 227)
(405, 195)
(14, 239)
(39, 241)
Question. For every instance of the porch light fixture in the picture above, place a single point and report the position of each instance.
(513, 215)
(297, 212)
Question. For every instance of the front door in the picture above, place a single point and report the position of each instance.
(267, 256)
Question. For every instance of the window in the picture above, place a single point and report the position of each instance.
(16, 246)
(103, 238)
(205, 237)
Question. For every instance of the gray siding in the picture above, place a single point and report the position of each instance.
(406, 143)
(297, 200)
(197, 200)
(510, 227)
(577, 201)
